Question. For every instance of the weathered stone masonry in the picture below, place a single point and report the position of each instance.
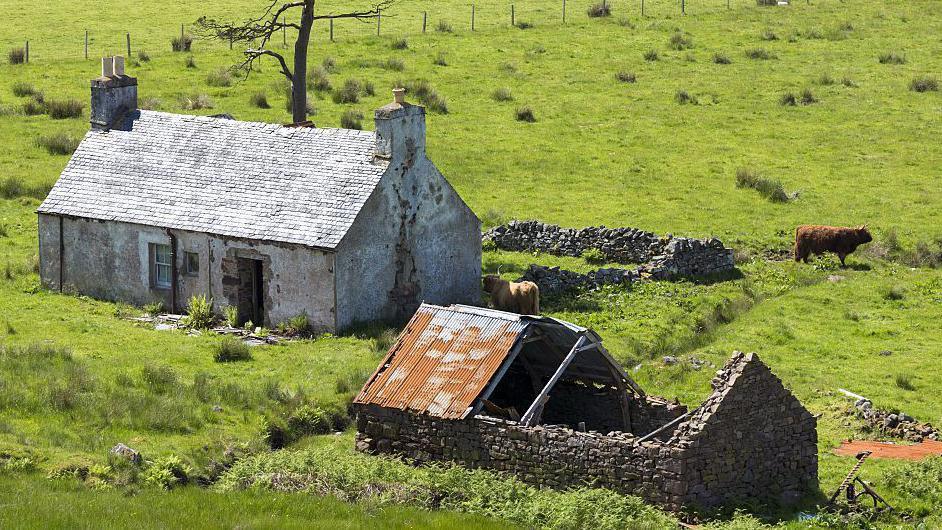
(661, 258)
(751, 439)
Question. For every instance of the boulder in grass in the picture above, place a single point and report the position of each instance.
(126, 453)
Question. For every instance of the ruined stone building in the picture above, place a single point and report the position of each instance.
(543, 400)
(343, 225)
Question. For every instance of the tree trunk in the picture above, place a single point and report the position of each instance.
(299, 81)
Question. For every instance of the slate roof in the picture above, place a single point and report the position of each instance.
(231, 178)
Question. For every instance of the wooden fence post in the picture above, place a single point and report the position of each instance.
(472, 17)
(424, 20)
(642, 8)
(379, 19)
(331, 30)
(512, 21)
(27, 51)
(86, 44)
(128, 35)
(564, 11)
(181, 37)
(683, 7)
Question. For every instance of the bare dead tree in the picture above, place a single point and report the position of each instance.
(257, 35)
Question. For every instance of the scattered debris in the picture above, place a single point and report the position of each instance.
(668, 360)
(834, 278)
(896, 424)
(254, 337)
(886, 353)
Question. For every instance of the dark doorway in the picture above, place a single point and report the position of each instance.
(251, 292)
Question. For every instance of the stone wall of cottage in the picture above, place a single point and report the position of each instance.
(751, 439)
(661, 258)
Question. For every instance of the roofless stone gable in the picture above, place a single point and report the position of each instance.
(750, 440)
(750, 435)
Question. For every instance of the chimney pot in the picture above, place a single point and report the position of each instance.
(118, 65)
(399, 95)
(107, 66)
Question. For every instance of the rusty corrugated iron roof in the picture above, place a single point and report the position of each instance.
(443, 359)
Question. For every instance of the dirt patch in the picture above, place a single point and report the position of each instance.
(918, 451)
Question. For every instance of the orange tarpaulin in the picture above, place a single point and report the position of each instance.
(890, 450)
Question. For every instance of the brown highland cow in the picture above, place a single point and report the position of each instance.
(841, 240)
(522, 297)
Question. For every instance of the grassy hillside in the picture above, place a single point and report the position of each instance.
(601, 151)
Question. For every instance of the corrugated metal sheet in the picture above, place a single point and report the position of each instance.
(443, 359)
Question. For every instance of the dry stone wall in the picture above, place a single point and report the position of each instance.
(661, 258)
(750, 440)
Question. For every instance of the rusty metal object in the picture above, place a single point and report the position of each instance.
(850, 482)
(442, 361)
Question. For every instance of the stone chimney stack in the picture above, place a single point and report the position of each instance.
(114, 94)
(400, 130)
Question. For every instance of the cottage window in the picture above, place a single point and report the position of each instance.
(192, 263)
(161, 266)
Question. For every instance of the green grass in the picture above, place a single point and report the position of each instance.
(602, 151)
(35, 502)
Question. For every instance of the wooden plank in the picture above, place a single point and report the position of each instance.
(671, 423)
(528, 417)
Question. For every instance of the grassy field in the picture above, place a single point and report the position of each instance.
(601, 151)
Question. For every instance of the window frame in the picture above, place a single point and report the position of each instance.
(157, 265)
(188, 264)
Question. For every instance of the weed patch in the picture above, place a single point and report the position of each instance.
(651, 55)
(17, 56)
(502, 94)
(720, 58)
(601, 9)
(230, 349)
(680, 41)
(219, 78)
(183, 43)
(64, 109)
(259, 100)
(760, 54)
(427, 95)
(924, 83)
(58, 144)
(525, 114)
(351, 119)
(892, 58)
(769, 188)
(626, 77)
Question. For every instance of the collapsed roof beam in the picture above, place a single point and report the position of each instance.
(536, 408)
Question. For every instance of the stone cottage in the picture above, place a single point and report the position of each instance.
(543, 400)
(343, 225)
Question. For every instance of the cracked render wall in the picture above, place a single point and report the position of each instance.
(751, 439)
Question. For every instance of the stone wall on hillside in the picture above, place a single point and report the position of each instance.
(751, 439)
(661, 258)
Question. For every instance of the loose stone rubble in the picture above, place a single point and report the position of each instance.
(751, 439)
(896, 424)
(661, 258)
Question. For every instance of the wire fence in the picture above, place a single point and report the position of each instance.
(482, 16)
